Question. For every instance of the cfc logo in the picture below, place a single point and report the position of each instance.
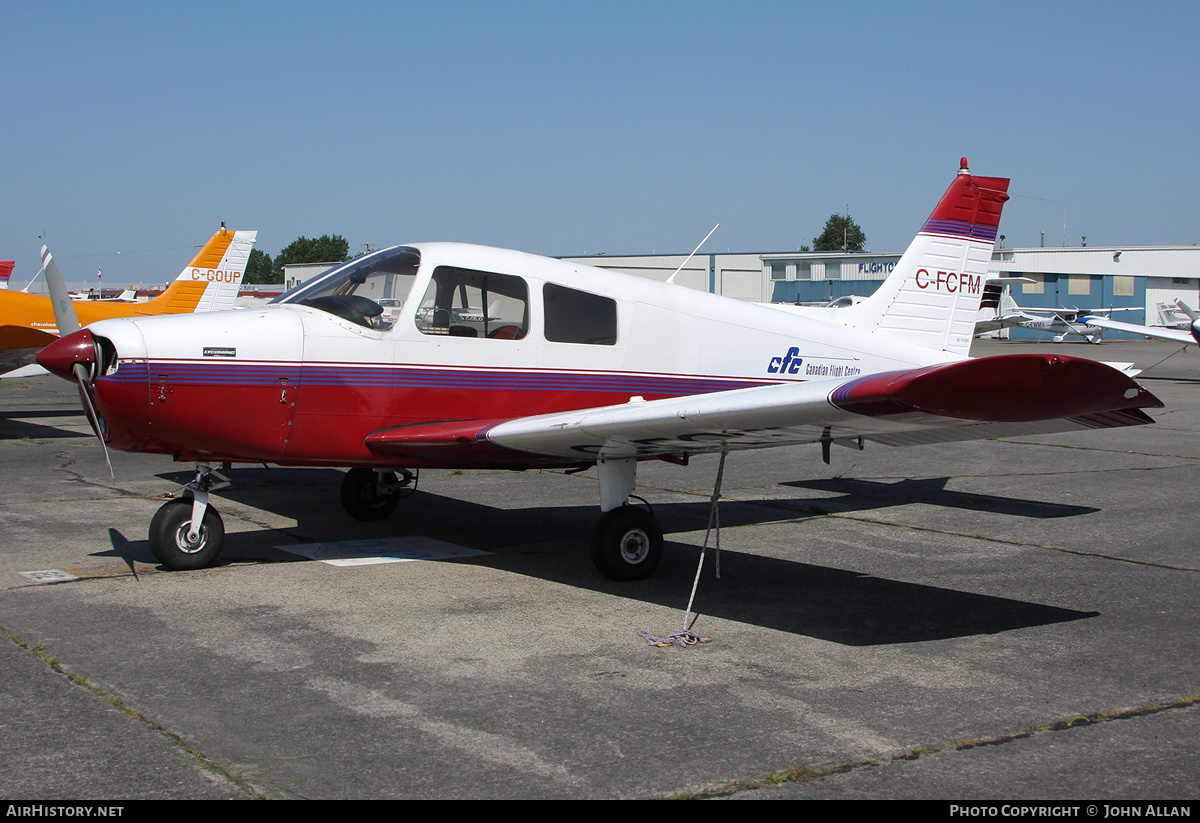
(214, 275)
(949, 281)
(788, 364)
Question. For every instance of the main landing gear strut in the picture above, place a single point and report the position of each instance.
(627, 542)
(369, 494)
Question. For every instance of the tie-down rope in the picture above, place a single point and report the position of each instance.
(687, 637)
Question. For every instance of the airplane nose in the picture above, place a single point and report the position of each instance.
(61, 356)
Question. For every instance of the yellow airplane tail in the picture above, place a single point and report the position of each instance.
(211, 281)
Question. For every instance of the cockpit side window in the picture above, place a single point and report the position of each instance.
(369, 291)
(574, 316)
(470, 303)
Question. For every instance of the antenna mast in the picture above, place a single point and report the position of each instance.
(671, 279)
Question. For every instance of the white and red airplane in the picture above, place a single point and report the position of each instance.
(454, 355)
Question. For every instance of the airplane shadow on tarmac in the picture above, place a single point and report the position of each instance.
(861, 495)
(551, 543)
(15, 425)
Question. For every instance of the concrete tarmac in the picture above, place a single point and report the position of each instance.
(1005, 620)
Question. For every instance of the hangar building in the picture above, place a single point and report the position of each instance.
(1085, 277)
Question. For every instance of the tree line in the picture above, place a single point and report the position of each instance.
(260, 268)
(840, 234)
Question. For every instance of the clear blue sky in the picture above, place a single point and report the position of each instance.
(565, 127)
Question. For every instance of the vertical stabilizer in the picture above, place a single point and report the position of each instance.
(932, 296)
(1183, 307)
(211, 281)
(6, 267)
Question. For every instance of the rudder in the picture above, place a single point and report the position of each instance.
(932, 296)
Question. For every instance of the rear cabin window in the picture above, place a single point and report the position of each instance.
(469, 303)
(574, 316)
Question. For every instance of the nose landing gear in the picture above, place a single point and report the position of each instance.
(171, 537)
(188, 534)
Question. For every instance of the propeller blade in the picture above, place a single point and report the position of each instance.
(64, 310)
(84, 382)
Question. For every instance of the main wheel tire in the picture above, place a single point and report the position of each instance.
(361, 497)
(169, 540)
(627, 544)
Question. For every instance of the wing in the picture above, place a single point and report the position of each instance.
(32, 370)
(971, 399)
(1177, 335)
(998, 323)
(20, 344)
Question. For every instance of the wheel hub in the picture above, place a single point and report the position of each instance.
(635, 546)
(190, 546)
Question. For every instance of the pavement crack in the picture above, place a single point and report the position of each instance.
(811, 773)
(1074, 447)
(1020, 543)
(119, 704)
(78, 477)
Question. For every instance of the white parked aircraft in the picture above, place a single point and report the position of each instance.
(1189, 336)
(127, 295)
(502, 359)
(1000, 311)
(1062, 322)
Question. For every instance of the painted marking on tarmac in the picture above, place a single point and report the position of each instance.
(49, 576)
(388, 550)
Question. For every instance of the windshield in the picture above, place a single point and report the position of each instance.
(369, 291)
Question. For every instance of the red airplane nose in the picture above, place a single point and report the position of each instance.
(61, 356)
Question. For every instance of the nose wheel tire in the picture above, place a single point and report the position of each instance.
(364, 497)
(627, 544)
(169, 536)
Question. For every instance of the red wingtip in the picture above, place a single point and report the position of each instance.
(1007, 388)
